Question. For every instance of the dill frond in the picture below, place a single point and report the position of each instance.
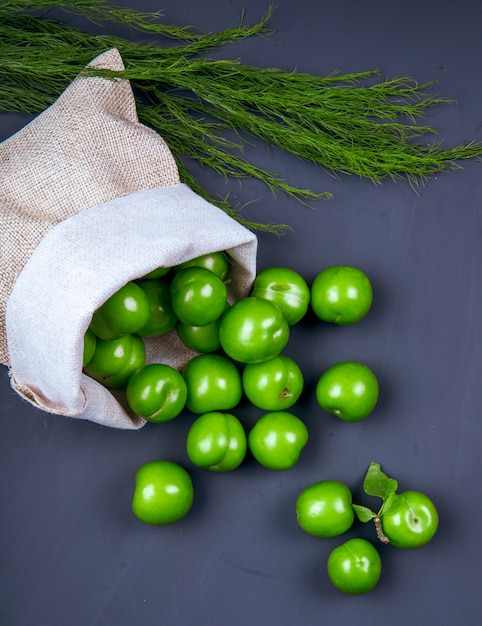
(360, 124)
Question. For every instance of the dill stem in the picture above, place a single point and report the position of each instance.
(207, 110)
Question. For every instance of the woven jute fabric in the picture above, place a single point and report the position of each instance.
(90, 199)
(86, 149)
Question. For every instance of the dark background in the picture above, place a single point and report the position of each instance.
(71, 551)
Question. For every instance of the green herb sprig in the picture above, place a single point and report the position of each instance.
(207, 110)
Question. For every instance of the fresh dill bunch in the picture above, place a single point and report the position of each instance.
(207, 109)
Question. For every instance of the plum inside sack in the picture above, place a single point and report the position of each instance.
(86, 258)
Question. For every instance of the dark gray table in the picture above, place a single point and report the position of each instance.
(72, 553)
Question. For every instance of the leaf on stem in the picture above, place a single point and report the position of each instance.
(363, 513)
(392, 503)
(378, 484)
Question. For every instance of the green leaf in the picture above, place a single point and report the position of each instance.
(377, 483)
(392, 503)
(363, 513)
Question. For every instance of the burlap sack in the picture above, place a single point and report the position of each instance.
(90, 199)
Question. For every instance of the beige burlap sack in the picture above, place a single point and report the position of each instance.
(90, 199)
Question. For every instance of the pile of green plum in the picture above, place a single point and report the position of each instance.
(405, 520)
(238, 353)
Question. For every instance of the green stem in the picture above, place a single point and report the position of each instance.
(208, 110)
